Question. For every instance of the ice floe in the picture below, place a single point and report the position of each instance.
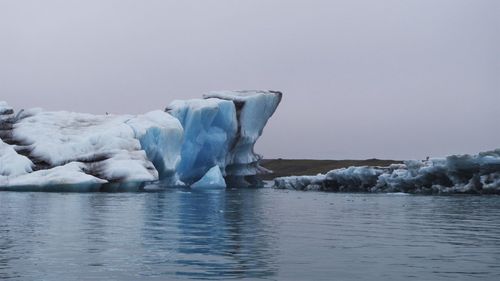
(471, 174)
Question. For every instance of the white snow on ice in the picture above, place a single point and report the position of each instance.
(477, 174)
(182, 145)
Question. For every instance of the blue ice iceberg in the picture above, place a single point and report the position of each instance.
(222, 130)
(212, 179)
(177, 146)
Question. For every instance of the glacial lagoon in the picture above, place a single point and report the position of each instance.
(248, 234)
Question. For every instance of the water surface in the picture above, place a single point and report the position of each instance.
(248, 234)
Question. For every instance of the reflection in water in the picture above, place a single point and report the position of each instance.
(247, 234)
(7, 241)
(217, 234)
(18, 219)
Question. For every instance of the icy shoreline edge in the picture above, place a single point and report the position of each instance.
(456, 174)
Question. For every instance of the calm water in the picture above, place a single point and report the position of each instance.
(248, 234)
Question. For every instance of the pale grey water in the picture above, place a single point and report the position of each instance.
(248, 234)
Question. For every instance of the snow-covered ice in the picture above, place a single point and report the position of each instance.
(69, 177)
(11, 163)
(476, 174)
(5, 109)
(182, 145)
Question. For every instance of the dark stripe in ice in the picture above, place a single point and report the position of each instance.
(238, 105)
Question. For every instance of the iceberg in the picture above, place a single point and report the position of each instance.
(222, 129)
(210, 126)
(469, 174)
(179, 146)
(253, 110)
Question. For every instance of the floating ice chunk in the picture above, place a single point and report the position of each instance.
(477, 174)
(353, 178)
(177, 147)
(212, 179)
(222, 130)
(300, 182)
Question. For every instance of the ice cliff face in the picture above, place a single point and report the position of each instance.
(222, 130)
(88, 152)
(476, 174)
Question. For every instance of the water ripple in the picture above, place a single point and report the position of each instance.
(247, 234)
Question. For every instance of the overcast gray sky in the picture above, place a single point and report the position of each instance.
(361, 79)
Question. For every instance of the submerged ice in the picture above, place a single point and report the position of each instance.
(179, 146)
(473, 174)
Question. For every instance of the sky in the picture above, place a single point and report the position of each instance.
(393, 79)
